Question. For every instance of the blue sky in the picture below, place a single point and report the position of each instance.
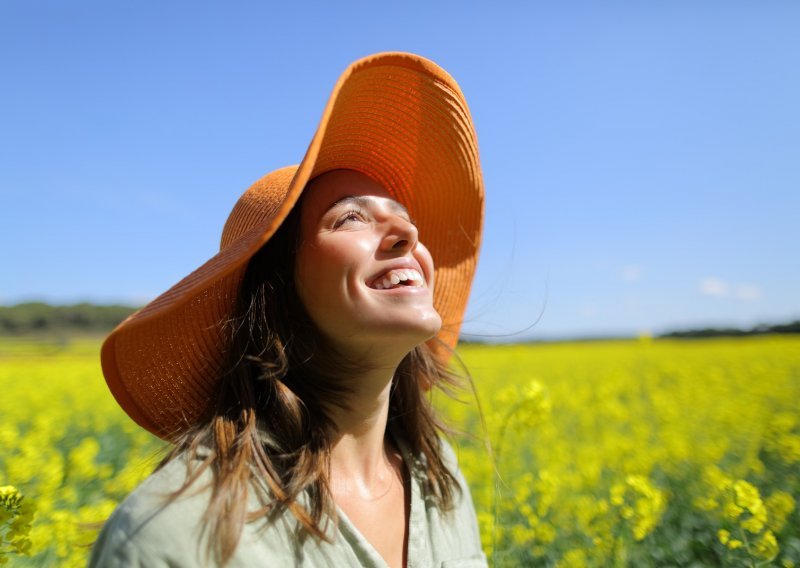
(641, 159)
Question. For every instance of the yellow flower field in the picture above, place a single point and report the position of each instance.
(629, 453)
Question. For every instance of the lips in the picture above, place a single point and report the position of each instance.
(398, 277)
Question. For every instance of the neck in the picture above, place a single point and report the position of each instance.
(361, 458)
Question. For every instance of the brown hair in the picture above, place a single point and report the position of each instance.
(269, 429)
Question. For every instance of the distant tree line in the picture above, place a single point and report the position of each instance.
(41, 318)
(34, 318)
(792, 327)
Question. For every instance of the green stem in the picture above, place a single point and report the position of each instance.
(747, 547)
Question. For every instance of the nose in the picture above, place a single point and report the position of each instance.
(401, 235)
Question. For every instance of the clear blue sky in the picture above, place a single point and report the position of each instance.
(641, 159)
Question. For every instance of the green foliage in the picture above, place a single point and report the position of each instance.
(41, 318)
(791, 327)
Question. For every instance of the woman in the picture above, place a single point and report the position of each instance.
(291, 370)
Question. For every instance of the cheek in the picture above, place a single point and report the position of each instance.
(335, 255)
(324, 270)
(426, 261)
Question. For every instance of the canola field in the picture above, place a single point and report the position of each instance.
(629, 453)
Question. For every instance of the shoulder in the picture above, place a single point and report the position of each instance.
(150, 529)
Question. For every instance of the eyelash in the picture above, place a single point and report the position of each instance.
(347, 216)
(360, 214)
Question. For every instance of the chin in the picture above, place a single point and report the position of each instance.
(434, 327)
(406, 333)
(420, 330)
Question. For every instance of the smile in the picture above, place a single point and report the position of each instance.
(397, 278)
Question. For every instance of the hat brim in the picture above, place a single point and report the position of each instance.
(396, 117)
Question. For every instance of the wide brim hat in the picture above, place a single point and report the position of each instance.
(396, 117)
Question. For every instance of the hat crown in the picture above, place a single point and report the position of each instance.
(257, 206)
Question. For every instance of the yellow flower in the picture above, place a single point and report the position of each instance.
(16, 516)
(546, 533)
(533, 406)
(732, 511)
(639, 503)
(748, 498)
(81, 461)
(779, 505)
(617, 495)
(781, 437)
(522, 535)
(725, 538)
(574, 559)
(747, 495)
(766, 547)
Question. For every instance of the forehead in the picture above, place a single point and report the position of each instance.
(342, 186)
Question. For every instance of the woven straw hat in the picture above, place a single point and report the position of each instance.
(396, 117)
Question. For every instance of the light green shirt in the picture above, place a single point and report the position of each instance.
(145, 532)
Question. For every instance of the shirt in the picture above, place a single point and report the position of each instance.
(146, 531)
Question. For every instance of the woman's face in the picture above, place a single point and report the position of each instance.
(361, 272)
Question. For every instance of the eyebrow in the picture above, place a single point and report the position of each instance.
(364, 202)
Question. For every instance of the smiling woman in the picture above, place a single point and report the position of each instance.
(290, 372)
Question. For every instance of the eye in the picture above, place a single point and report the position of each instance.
(350, 216)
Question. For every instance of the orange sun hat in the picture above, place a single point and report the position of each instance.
(396, 117)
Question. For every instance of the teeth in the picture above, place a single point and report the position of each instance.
(394, 277)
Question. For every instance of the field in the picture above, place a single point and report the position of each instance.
(630, 453)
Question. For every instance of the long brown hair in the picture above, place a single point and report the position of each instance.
(269, 430)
